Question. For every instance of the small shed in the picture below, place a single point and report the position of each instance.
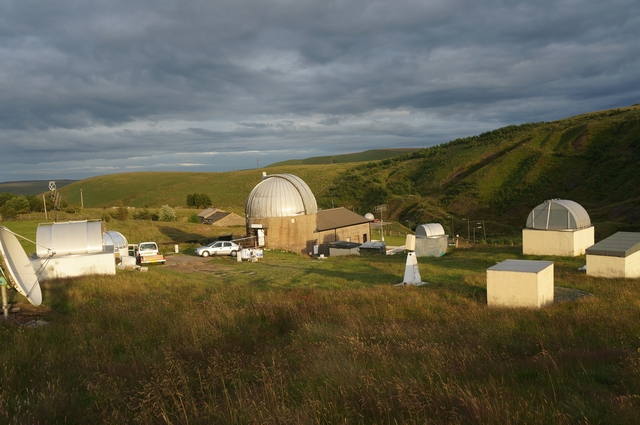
(520, 283)
(431, 240)
(373, 248)
(616, 256)
(343, 248)
(557, 227)
(216, 217)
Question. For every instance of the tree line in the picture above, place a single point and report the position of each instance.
(199, 200)
(13, 205)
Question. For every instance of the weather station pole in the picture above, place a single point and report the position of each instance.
(468, 232)
(381, 208)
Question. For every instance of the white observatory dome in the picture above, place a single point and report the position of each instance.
(280, 195)
(558, 214)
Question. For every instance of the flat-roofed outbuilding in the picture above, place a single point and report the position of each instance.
(616, 256)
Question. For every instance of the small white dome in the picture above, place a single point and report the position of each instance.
(558, 214)
(369, 216)
(280, 195)
(115, 239)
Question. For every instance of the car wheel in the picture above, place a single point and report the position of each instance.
(205, 253)
(234, 253)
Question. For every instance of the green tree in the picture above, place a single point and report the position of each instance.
(15, 206)
(35, 203)
(121, 211)
(4, 197)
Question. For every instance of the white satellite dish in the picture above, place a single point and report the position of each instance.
(18, 267)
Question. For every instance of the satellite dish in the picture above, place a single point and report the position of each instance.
(18, 267)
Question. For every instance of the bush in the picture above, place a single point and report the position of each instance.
(106, 217)
(144, 214)
(167, 213)
(194, 218)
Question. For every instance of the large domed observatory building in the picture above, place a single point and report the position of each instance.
(282, 213)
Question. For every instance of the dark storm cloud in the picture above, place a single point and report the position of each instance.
(93, 86)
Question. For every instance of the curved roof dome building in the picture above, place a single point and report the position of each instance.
(558, 227)
(558, 214)
(280, 195)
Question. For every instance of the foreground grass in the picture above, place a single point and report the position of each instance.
(293, 340)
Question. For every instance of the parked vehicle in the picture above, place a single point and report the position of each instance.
(147, 253)
(218, 248)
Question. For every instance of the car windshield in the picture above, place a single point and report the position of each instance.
(147, 247)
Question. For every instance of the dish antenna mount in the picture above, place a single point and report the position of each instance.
(16, 271)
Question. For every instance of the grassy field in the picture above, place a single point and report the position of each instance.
(299, 341)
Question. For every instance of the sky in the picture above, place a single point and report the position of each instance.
(91, 88)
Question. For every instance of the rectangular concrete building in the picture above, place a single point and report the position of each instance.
(566, 243)
(520, 283)
(616, 256)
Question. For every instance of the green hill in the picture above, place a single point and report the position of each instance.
(499, 176)
(370, 155)
(30, 187)
(495, 178)
(227, 190)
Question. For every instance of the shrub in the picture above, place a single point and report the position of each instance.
(167, 213)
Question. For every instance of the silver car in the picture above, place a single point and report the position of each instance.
(218, 248)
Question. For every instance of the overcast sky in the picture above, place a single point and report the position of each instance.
(99, 87)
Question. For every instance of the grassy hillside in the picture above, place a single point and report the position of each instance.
(228, 190)
(370, 155)
(494, 178)
(499, 176)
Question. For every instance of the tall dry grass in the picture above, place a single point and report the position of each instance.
(258, 343)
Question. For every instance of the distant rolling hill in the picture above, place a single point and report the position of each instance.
(370, 155)
(31, 187)
(494, 178)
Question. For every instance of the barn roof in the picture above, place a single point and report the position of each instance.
(337, 218)
(621, 244)
(206, 213)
